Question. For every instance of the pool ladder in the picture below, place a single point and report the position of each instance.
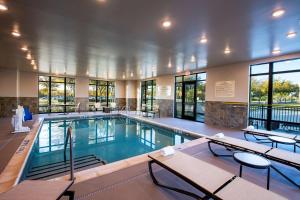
(55, 169)
(69, 137)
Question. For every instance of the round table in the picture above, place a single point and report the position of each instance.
(282, 140)
(253, 161)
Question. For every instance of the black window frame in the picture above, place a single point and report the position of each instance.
(182, 80)
(98, 83)
(65, 82)
(144, 86)
(270, 75)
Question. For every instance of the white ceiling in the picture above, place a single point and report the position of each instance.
(124, 37)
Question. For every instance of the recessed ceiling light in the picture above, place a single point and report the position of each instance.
(131, 74)
(227, 51)
(291, 35)
(123, 76)
(203, 40)
(16, 33)
(166, 24)
(276, 51)
(278, 13)
(3, 7)
(34, 67)
(101, 1)
(169, 63)
(24, 48)
(28, 57)
(193, 59)
(32, 62)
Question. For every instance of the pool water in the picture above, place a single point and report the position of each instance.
(108, 138)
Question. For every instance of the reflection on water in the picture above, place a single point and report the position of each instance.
(110, 139)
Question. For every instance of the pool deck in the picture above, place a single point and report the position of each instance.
(89, 181)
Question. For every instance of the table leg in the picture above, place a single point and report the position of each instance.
(268, 179)
(272, 144)
(241, 170)
(276, 144)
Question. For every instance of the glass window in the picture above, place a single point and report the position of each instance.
(102, 92)
(187, 104)
(287, 65)
(201, 76)
(56, 94)
(148, 94)
(191, 77)
(278, 109)
(260, 69)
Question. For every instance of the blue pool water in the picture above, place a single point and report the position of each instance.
(109, 139)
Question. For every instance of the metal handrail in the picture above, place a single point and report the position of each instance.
(69, 137)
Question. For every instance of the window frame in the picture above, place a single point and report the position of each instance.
(270, 75)
(65, 82)
(107, 85)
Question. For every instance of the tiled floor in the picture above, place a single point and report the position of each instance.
(9, 142)
(134, 182)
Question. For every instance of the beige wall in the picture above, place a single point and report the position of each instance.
(8, 83)
(236, 72)
(131, 89)
(28, 84)
(120, 89)
(165, 87)
(82, 87)
(18, 84)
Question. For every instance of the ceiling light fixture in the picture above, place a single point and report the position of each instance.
(166, 24)
(123, 76)
(291, 34)
(169, 63)
(131, 74)
(16, 33)
(276, 51)
(24, 48)
(278, 13)
(193, 59)
(3, 7)
(28, 57)
(227, 51)
(32, 62)
(34, 67)
(203, 40)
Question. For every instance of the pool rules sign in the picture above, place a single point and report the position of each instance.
(225, 89)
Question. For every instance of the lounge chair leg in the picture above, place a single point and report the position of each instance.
(268, 179)
(214, 153)
(241, 170)
(168, 187)
(287, 178)
(70, 194)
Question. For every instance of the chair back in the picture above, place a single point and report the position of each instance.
(97, 105)
(113, 105)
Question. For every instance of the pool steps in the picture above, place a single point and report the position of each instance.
(60, 168)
